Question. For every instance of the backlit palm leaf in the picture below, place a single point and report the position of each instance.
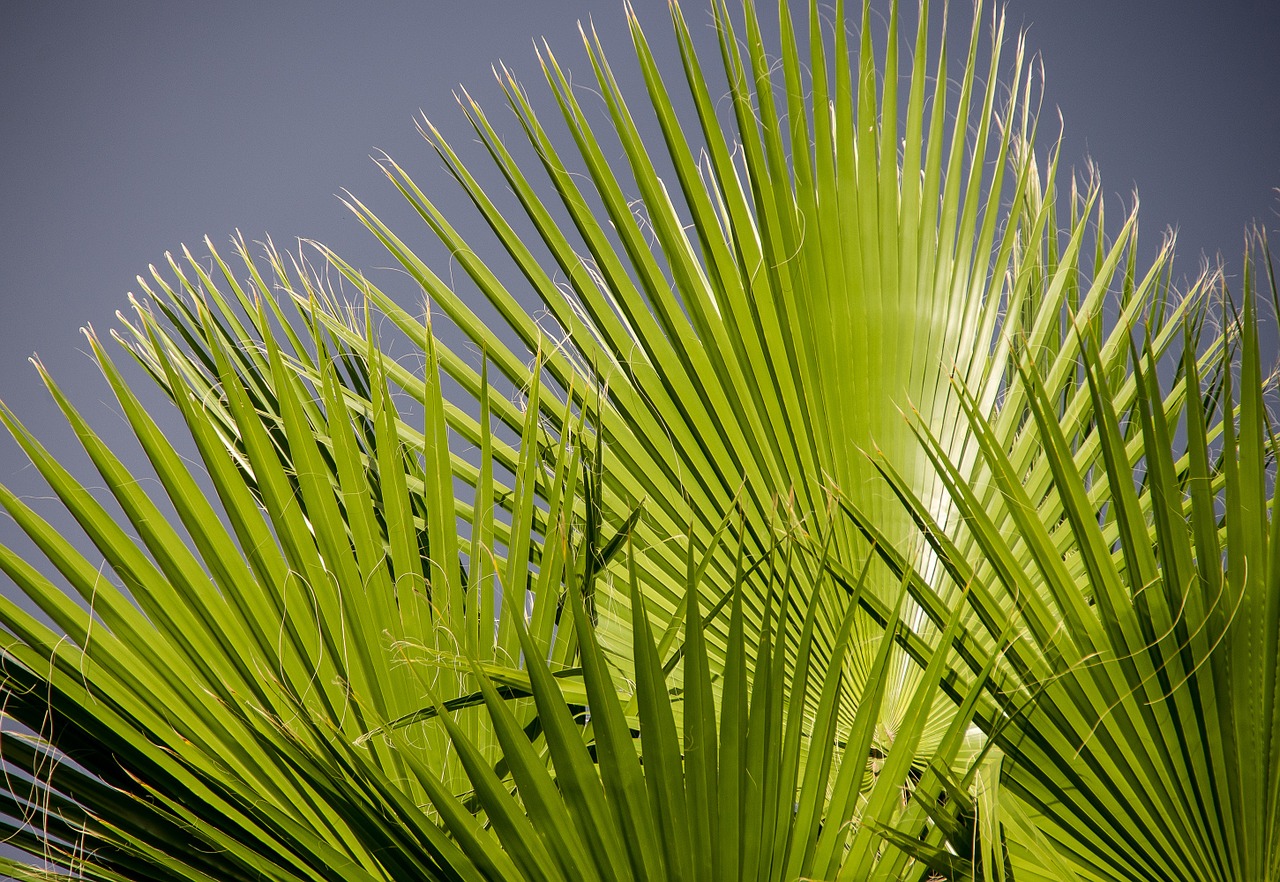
(758, 324)
(1146, 744)
(411, 635)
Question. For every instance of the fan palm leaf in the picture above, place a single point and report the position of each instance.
(1145, 746)
(367, 645)
(719, 332)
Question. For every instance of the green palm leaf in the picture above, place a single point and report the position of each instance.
(832, 413)
(1143, 749)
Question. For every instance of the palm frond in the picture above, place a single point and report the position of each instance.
(794, 497)
(1138, 736)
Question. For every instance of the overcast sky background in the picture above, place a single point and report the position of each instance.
(128, 128)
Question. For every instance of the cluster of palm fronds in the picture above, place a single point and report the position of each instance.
(857, 507)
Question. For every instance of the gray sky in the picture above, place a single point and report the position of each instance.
(129, 128)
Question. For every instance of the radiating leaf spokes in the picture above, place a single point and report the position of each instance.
(1148, 612)
(853, 309)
